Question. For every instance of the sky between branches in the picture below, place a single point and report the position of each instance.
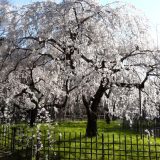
(151, 9)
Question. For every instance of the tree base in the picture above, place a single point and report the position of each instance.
(91, 130)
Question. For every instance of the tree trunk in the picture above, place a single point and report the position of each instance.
(91, 109)
(91, 129)
(107, 118)
(33, 115)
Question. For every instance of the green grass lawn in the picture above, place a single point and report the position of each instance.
(80, 126)
(67, 140)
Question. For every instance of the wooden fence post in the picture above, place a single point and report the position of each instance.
(149, 147)
(91, 148)
(103, 147)
(108, 146)
(75, 144)
(69, 145)
(13, 139)
(137, 147)
(96, 147)
(125, 143)
(119, 141)
(80, 144)
(131, 146)
(155, 144)
(113, 148)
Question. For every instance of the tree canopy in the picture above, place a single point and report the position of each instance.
(56, 56)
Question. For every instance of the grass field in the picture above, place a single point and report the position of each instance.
(66, 140)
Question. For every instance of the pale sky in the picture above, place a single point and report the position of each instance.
(151, 9)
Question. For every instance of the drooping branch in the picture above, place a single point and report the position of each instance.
(52, 41)
(21, 93)
(146, 78)
(137, 85)
(32, 83)
(126, 85)
(15, 67)
(87, 59)
(109, 92)
(76, 16)
(134, 53)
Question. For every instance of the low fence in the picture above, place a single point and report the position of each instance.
(29, 144)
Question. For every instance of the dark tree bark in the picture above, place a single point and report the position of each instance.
(91, 129)
(33, 115)
(92, 107)
(33, 112)
(107, 118)
(61, 107)
(113, 116)
(2, 109)
(16, 113)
